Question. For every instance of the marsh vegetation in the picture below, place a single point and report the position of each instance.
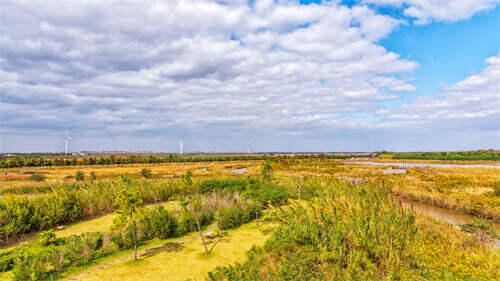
(322, 219)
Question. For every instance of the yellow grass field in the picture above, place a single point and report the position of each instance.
(19, 177)
(187, 261)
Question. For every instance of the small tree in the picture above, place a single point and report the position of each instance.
(146, 173)
(79, 176)
(128, 203)
(299, 187)
(195, 207)
(187, 182)
(267, 171)
(93, 177)
(257, 208)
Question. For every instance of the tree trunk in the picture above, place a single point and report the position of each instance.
(256, 217)
(218, 227)
(135, 241)
(201, 235)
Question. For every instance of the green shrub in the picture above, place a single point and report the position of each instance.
(126, 179)
(230, 217)
(79, 176)
(187, 221)
(163, 223)
(42, 261)
(146, 173)
(235, 216)
(276, 195)
(32, 264)
(212, 185)
(483, 229)
(496, 189)
(93, 177)
(70, 202)
(7, 258)
(48, 237)
(267, 170)
(37, 177)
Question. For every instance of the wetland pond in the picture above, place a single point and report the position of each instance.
(446, 215)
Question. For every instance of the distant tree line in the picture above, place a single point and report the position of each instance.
(477, 155)
(20, 161)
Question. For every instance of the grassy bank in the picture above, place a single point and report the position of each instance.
(470, 191)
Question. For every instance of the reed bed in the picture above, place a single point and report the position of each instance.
(360, 232)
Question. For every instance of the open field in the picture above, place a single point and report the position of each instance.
(20, 177)
(229, 191)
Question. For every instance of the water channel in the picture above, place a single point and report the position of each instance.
(446, 215)
(433, 211)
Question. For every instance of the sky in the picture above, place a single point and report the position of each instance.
(357, 75)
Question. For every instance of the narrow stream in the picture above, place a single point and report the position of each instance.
(447, 215)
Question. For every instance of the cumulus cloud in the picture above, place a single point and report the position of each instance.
(218, 72)
(136, 66)
(425, 11)
(470, 104)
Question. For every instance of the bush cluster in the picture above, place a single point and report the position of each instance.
(232, 209)
(212, 185)
(22, 214)
(71, 202)
(37, 177)
(262, 191)
(51, 256)
(41, 261)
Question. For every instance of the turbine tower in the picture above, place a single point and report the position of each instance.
(181, 144)
(248, 148)
(68, 140)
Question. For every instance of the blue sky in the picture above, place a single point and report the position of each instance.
(447, 53)
(357, 75)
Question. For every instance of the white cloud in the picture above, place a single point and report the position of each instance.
(136, 65)
(473, 103)
(441, 10)
(196, 67)
(393, 84)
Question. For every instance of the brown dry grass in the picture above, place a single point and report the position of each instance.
(19, 177)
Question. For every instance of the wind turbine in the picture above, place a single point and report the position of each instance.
(181, 144)
(248, 148)
(68, 140)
